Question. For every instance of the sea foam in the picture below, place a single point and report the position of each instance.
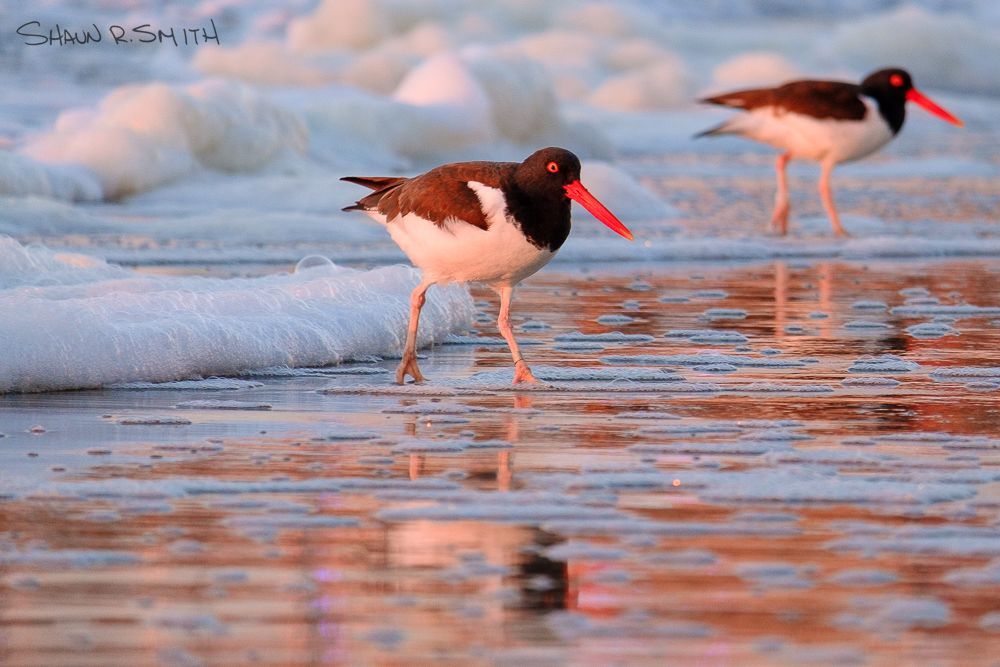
(71, 321)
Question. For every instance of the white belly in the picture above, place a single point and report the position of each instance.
(808, 138)
(459, 252)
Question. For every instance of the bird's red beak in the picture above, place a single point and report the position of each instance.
(914, 95)
(581, 195)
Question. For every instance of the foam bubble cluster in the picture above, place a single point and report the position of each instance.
(143, 136)
(70, 321)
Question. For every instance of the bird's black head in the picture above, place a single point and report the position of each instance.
(889, 84)
(888, 87)
(547, 171)
(892, 88)
(551, 177)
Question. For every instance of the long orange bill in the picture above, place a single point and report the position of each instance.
(914, 95)
(581, 195)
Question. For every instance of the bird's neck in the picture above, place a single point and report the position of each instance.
(543, 219)
(893, 111)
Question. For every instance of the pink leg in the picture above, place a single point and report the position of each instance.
(408, 365)
(521, 371)
(779, 219)
(827, 196)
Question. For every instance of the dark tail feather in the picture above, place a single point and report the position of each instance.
(373, 182)
(724, 100)
(712, 131)
(380, 184)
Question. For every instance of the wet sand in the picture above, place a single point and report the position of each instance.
(802, 499)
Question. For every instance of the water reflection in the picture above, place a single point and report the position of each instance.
(746, 526)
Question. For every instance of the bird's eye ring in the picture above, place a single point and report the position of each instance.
(896, 80)
(552, 167)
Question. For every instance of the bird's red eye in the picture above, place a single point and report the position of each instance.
(896, 80)
(552, 167)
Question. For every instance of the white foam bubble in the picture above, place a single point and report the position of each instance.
(709, 336)
(943, 50)
(425, 446)
(125, 327)
(438, 408)
(208, 384)
(690, 428)
(965, 373)
(578, 346)
(262, 62)
(886, 363)
(774, 575)
(701, 359)
(583, 551)
(152, 420)
(778, 485)
(208, 404)
(988, 575)
(863, 577)
(869, 325)
(412, 389)
(580, 374)
(955, 540)
(346, 433)
(647, 414)
(931, 330)
(781, 388)
(493, 341)
(342, 24)
(990, 621)
(754, 69)
(958, 310)
(445, 87)
(661, 85)
(68, 558)
(22, 176)
(143, 136)
(33, 265)
(869, 304)
(880, 382)
(614, 318)
(514, 507)
(724, 314)
(706, 448)
(682, 558)
(894, 613)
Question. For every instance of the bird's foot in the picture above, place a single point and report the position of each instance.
(408, 366)
(779, 220)
(841, 233)
(523, 374)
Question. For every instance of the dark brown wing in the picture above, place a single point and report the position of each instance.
(441, 194)
(743, 99)
(819, 99)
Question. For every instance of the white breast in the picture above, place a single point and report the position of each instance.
(459, 252)
(809, 138)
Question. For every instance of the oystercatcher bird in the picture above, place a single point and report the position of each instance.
(826, 121)
(490, 222)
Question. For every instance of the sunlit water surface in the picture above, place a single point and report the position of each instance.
(804, 498)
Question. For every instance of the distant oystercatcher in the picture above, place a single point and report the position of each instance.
(826, 121)
(490, 222)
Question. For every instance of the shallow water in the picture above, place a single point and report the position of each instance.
(803, 498)
(792, 459)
